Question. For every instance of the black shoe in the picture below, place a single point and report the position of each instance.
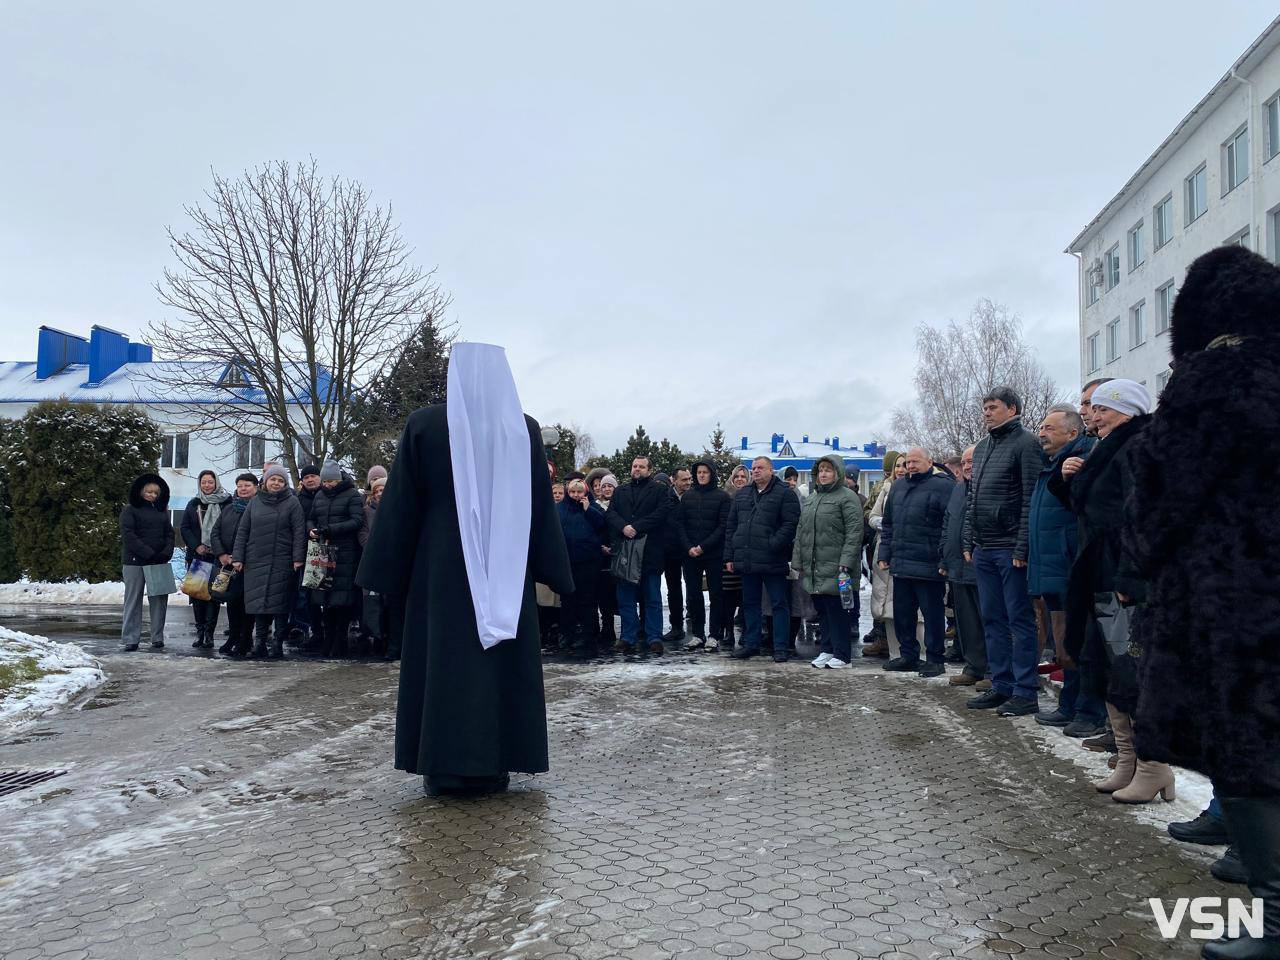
(1228, 868)
(901, 665)
(954, 655)
(129, 648)
(987, 701)
(1206, 829)
(781, 658)
(227, 648)
(932, 668)
(157, 644)
(1017, 707)
(674, 635)
(1083, 728)
(1055, 718)
(657, 649)
(1105, 742)
(744, 653)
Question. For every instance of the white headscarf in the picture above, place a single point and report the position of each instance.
(489, 444)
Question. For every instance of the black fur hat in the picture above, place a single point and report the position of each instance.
(1229, 290)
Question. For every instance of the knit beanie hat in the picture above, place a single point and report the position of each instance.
(1123, 396)
(330, 471)
(275, 470)
(376, 472)
(608, 480)
(310, 470)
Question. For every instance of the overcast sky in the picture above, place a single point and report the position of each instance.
(668, 213)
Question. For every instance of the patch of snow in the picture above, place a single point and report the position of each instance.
(79, 592)
(69, 673)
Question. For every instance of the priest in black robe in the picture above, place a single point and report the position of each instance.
(465, 527)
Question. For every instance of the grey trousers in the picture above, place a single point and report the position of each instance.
(135, 591)
(973, 643)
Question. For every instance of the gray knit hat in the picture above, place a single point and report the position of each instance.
(275, 470)
(330, 471)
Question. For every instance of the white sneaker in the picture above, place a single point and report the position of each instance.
(694, 644)
(713, 645)
(835, 663)
(822, 660)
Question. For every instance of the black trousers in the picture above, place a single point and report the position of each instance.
(240, 634)
(973, 643)
(606, 601)
(673, 571)
(694, 570)
(206, 615)
(578, 609)
(336, 622)
(909, 596)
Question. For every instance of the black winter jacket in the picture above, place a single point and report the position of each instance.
(190, 528)
(911, 531)
(761, 530)
(308, 500)
(146, 533)
(958, 569)
(270, 539)
(223, 539)
(339, 514)
(644, 504)
(703, 515)
(584, 530)
(1006, 465)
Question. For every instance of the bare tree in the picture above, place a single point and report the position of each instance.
(584, 443)
(293, 292)
(957, 365)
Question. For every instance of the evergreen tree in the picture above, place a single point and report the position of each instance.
(70, 468)
(664, 456)
(719, 455)
(564, 451)
(10, 571)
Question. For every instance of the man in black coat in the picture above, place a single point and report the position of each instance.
(673, 561)
(759, 536)
(964, 582)
(701, 520)
(639, 511)
(1006, 467)
(911, 549)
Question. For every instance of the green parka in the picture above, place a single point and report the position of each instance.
(830, 533)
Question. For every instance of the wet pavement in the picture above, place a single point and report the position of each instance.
(696, 807)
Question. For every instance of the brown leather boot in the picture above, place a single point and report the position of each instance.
(878, 649)
(1127, 763)
(1150, 780)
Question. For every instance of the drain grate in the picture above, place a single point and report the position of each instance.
(11, 781)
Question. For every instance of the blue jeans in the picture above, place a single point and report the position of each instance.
(927, 598)
(753, 587)
(834, 618)
(648, 594)
(1013, 645)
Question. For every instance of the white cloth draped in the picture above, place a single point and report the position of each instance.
(489, 444)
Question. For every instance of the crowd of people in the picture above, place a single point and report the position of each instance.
(256, 537)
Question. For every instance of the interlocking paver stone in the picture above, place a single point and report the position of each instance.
(696, 808)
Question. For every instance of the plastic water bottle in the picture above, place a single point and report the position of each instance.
(847, 596)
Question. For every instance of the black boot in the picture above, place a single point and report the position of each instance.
(1254, 823)
(260, 640)
(199, 636)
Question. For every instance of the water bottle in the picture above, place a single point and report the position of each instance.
(847, 596)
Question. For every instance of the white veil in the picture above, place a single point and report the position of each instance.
(489, 444)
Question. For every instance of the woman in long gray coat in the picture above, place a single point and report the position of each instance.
(270, 547)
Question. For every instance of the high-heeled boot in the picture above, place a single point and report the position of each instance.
(1150, 780)
(1254, 823)
(1127, 764)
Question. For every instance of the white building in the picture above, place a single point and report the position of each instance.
(107, 368)
(1213, 181)
(803, 453)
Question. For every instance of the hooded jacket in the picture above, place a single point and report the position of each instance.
(1006, 465)
(1051, 546)
(911, 531)
(829, 533)
(703, 514)
(761, 530)
(645, 505)
(146, 533)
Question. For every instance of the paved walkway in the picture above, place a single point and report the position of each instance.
(696, 807)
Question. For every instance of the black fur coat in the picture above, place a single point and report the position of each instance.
(1203, 530)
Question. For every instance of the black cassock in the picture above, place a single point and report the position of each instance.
(466, 715)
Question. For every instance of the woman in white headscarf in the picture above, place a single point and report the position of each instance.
(466, 526)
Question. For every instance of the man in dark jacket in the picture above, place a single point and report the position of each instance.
(964, 581)
(701, 520)
(1006, 465)
(639, 511)
(759, 536)
(1051, 549)
(911, 550)
(673, 559)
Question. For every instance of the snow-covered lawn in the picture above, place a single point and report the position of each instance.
(38, 675)
(77, 592)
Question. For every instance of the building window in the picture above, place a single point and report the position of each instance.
(1111, 266)
(1113, 340)
(251, 452)
(1162, 380)
(175, 451)
(1271, 112)
(1164, 306)
(1162, 222)
(1137, 249)
(1235, 160)
(1093, 360)
(1239, 239)
(1137, 335)
(305, 451)
(1195, 194)
(1091, 294)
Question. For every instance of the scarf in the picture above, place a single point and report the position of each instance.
(212, 503)
(489, 446)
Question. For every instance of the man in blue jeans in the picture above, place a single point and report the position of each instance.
(759, 536)
(638, 511)
(1006, 466)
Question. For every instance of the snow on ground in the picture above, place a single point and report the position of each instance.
(63, 672)
(76, 592)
